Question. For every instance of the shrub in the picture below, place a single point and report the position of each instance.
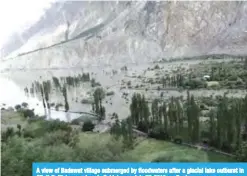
(205, 141)
(159, 133)
(52, 104)
(28, 133)
(5, 135)
(28, 113)
(59, 138)
(86, 101)
(178, 140)
(157, 67)
(88, 126)
(195, 84)
(142, 126)
(242, 152)
(76, 121)
(110, 93)
(24, 105)
(55, 125)
(233, 78)
(17, 107)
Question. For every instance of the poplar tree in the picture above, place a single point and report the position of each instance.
(146, 111)
(212, 126)
(66, 102)
(43, 98)
(179, 120)
(189, 116)
(155, 110)
(165, 119)
(47, 90)
(98, 97)
(195, 112)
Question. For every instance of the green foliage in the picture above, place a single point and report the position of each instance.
(222, 130)
(139, 109)
(17, 107)
(94, 83)
(76, 121)
(5, 135)
(56, 82)
(178, 140)
(98, 108)
(157, 67)
(55, 125)
(88, 126)
(28, 113)
(65, 98)
(24, 105)
(195, 84)
(158, 132)
(54, 147)
(242, 153)
(86, 101)
(116, 127)
(110, 93)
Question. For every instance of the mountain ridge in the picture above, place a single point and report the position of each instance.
(138, 32)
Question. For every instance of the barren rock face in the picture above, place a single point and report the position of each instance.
(111, 33)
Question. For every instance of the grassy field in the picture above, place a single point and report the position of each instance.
(11, 119)
(149, 149)
(146, 150)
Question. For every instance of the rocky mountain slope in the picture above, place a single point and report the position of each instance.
(75, 34)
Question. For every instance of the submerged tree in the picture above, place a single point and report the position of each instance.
(41, 88)
(66, 102)
(98, 107)
(47, 90)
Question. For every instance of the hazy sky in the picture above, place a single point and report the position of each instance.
(14, 14)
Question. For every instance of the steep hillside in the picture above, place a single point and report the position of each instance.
(74, 34)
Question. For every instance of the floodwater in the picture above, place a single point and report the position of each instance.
(12, 94)
(12, 86)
